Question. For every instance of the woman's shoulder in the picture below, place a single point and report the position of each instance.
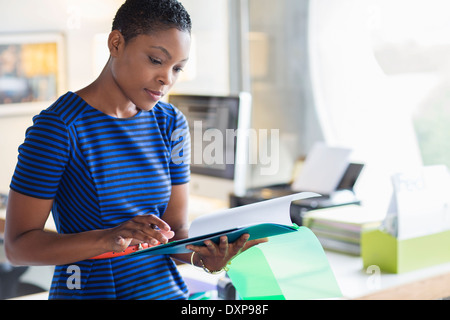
(67, 109)
(166, 109)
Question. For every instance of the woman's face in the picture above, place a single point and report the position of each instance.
(147, 67)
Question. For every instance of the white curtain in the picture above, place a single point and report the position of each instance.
(356, 105)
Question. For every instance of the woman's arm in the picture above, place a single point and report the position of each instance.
(27, 243)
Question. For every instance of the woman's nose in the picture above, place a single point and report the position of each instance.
(165, 77)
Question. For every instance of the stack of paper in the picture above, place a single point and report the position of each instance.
(340, 228)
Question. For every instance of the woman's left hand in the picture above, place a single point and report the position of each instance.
(215, 257)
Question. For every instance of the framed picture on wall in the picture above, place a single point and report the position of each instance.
(31, 70)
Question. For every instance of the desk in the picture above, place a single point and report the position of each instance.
(354, 281)
(357, 283)
(426, 284)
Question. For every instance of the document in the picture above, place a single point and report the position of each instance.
(262, 219)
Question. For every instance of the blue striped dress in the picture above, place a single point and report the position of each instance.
(101, 171)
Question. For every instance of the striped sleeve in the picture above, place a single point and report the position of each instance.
(42, 157)
(180, 150)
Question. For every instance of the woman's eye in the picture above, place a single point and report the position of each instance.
(178, 69)
(154, 61)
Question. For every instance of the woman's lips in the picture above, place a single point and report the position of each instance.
(154, 95)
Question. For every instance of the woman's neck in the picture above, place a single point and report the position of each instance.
(104, 95)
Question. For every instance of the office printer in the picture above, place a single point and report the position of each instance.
(342, 195)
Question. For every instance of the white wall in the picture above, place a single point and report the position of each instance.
(79, 21)
(210, 49)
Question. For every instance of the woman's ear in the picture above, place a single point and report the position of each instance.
(115, 42)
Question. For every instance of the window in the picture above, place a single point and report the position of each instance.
(380, 74)
(415, 56)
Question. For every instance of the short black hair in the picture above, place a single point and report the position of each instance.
(136, 17)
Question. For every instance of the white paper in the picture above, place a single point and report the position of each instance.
(275, 211)
(323, 169)
(421, 202)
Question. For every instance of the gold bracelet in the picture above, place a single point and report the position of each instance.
(205, 268)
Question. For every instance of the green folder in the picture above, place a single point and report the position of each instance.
(256, 232)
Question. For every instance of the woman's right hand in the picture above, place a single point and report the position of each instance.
(141, 229)
(27, 243)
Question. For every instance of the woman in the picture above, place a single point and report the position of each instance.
(101, 159)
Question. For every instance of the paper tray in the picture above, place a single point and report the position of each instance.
(398, 256)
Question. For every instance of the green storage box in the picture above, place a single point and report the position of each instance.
(394, 256)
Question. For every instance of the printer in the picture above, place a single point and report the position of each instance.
(342, 195)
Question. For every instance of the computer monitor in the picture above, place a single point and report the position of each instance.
(219, 141)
